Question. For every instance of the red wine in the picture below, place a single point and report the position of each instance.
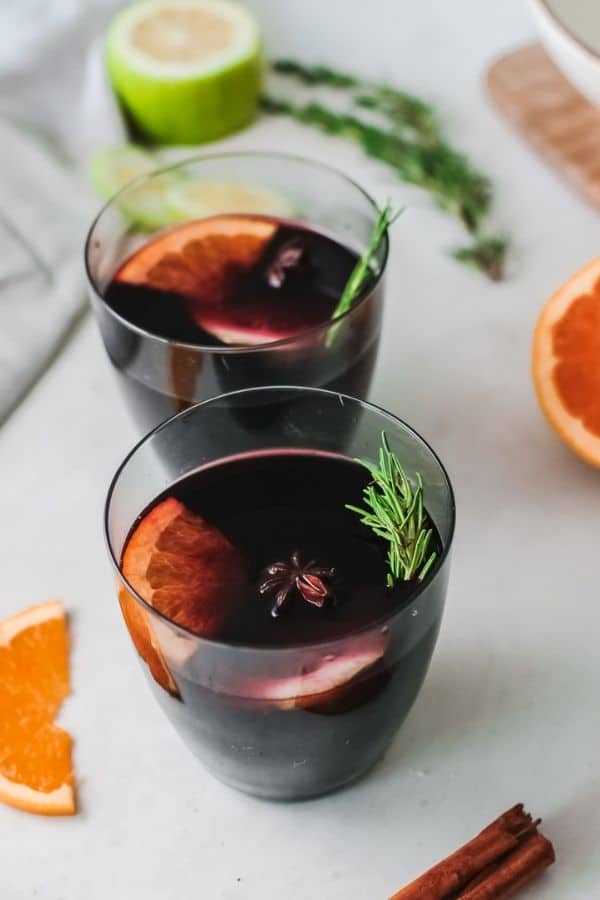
(232, 302)
(220, 536)
(232, 280)
(272, 505)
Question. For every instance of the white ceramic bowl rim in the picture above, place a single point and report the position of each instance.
(566, 32)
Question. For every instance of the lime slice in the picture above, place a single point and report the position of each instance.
(145, 205)
(187, 71)
(198, 200)
(114, 167)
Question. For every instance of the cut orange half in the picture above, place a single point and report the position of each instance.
(35, 754)
(566, 362)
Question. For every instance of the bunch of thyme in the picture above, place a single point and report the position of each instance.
(409, 142)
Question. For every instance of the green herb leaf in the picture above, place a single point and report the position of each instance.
(393, 510)
(363, 271)
(314, 75)
(403, 110)
(485, 255)
(411, 145)
(446, 174)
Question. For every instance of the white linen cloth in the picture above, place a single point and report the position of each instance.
(55, 111)
(43, 215)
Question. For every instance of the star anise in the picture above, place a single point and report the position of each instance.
(309, 582)
(288, 256)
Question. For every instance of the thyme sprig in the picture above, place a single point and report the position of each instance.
(485, 254)
(393, 510)
(403, 110)
(410, 143)
(446, 174)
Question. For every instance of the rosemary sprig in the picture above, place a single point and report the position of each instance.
(363, 271)
(394, 511)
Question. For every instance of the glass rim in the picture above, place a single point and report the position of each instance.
(282, 649)
(242, 348)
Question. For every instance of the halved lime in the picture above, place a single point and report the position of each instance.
(187, 71)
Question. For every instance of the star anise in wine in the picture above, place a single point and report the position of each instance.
(288, 257)
(286, 579)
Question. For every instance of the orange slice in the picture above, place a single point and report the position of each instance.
(35, 754)
(184, 567)
(566, 362)
(146, 641)
(205, 261)
(199, 259)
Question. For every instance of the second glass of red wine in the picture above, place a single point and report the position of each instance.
(224, 272)
(258, 601)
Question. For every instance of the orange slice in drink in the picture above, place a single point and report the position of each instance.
(566, 362)
(146, 642)
(184, 567)
(337, 684)
(202, 261)
(205, 261)
(35, 754)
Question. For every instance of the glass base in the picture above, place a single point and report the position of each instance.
(295, 792)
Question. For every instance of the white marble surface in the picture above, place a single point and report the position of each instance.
(510, 709)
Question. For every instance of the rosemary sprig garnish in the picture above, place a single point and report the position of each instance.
(394, 511)
(410, 144)
(363, 271)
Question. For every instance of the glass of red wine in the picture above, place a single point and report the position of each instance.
(258, 603)
(224, 272)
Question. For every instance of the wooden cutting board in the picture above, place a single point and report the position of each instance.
(532, 94)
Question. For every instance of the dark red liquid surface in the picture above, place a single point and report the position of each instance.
(249, 299)
(272, 505)
(312, 720)
(203, 284)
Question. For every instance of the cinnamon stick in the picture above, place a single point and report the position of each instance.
(497, 862)
(514, 872)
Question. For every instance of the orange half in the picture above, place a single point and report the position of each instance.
(35, 754)
(566, 362)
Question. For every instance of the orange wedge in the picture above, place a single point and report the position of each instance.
(184, 567)
(566, 362)
(35, 754)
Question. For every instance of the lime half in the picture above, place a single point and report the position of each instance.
(187, 71)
